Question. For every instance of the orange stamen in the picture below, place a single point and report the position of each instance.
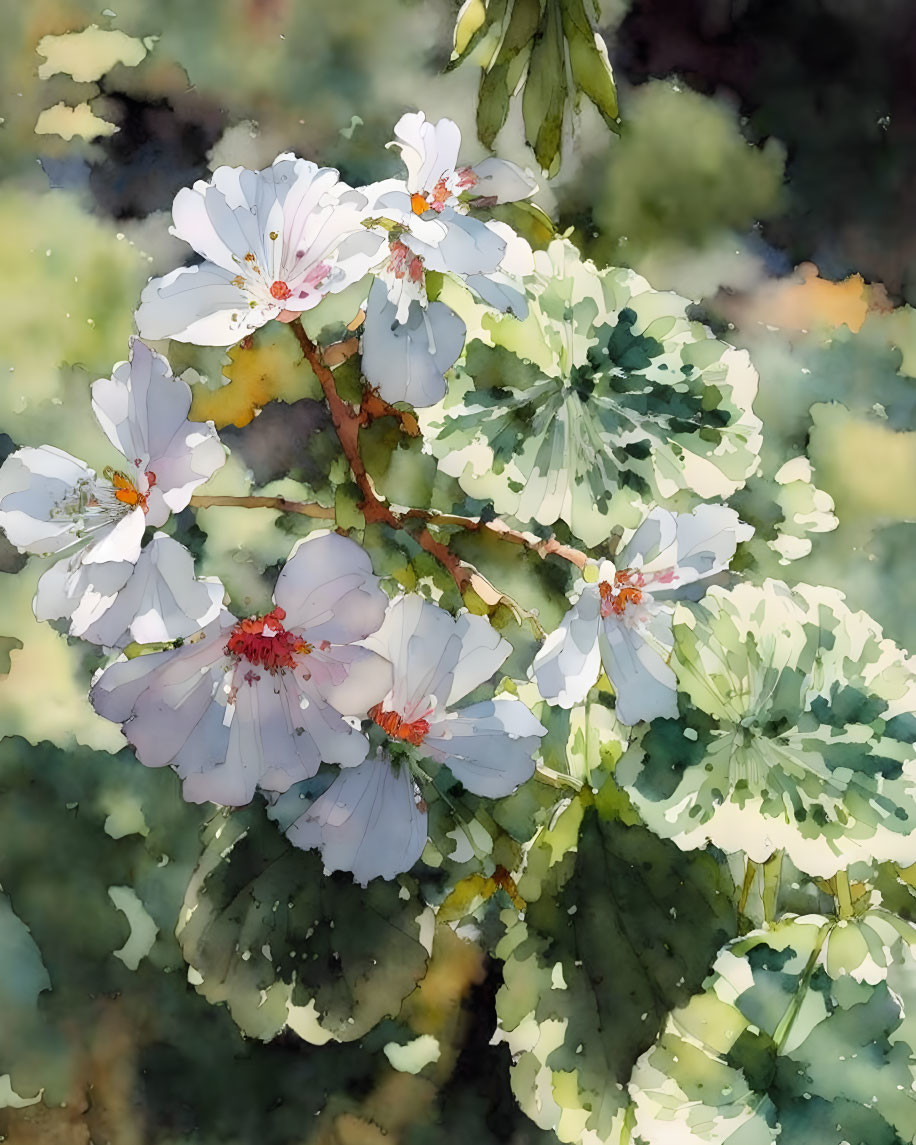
(280, 291)
(419, 203)
(392, 724)
(616, 597)
(125, 490)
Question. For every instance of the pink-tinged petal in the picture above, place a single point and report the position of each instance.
(199, 304)
(502, 181)
(162, 697)
(569, 661)
(329, 592)
(673, 550)
(34, 486)
(371, 822)
(644, 683)
(488, 746)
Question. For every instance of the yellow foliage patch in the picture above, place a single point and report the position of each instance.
(263, 370)
(89, 54)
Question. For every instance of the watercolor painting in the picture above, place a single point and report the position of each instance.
(457, 519)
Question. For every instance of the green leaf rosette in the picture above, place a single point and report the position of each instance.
(803, 1033)
(604, 400)
(618, 930)
(796, 732)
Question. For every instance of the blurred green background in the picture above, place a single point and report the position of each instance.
(766, 169)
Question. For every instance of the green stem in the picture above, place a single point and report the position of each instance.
(772, 869)
(781, 1033)
(750, 873)
(843, 894)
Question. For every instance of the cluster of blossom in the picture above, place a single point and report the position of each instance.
(240, 705)
(275, 242)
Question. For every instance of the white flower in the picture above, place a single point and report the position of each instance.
(371, 821)
(156, 600)
(275, 242)
(623, 622)
(261, 702)
(409, 342)
(51, 502)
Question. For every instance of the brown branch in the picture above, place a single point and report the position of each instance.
(374, 406)
(346, 422)
(306, 508)
(544, 547)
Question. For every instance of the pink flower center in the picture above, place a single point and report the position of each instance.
(403, 263)
(280, 291)
(264, 642)
(392, 724)
(625, 590)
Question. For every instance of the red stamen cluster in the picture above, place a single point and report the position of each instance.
(403, 263)
(624, 591)
(280, 291)
(274, 649)
(392, 724)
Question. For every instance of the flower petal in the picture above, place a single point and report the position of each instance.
(329, 592)
(428, 150)
(33, 484)
(407, 361)
(160, 600)
(674, 550)
(645, 685)
(436, 659)
(160, 698)
(350, 678)
(489, 746)
(503, 181)
(370, 821)
(119, 543)
(469, 246)
(199, 304)
(569, 661)
(143, 410)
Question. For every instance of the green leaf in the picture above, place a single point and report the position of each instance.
(347, 499)
(620, 931)
(471, 24)
(605, 400)
(75, 826)
(800, 1034)
(498, 82)
(280, 942)
(544, 97)
(588, 61)
(795, 732)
